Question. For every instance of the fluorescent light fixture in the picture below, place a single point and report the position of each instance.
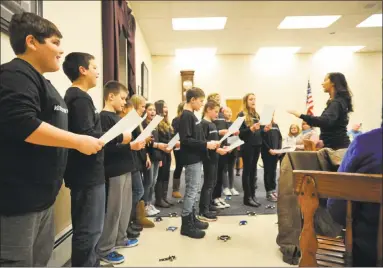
(372, 21)
(196, 52)
(307, 22)
(277, 50)
(199, 24)
(340, 49)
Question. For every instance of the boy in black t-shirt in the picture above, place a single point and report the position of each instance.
(84, 175)
(33, 131)
(193, 149)
(119, 164)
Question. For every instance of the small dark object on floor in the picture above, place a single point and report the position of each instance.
(270, 206)
(157, 219)
(170, 258)
(251, 213)
(173, 214)
(228, 197)
(180, 201)
(171, 228)
(242, 222)
(224, 238)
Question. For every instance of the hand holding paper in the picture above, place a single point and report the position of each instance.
(148, 130)
(128, 123)
(173, 141)
(233, 128)
(236, 144)
(267, 114)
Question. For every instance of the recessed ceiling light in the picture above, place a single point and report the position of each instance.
(307, 22)
(340, 49)
(199, 24)
(192, 52)
(372, 21)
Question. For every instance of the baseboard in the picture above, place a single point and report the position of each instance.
(62, 248)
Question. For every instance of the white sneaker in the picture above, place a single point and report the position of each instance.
(155, 209)
(224, 203)
(227, 192)
(234, 192)
(218, 204)
(149, 211)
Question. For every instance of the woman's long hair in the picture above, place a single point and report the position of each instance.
(249, 113)
(137, 100)
(164, 125)
(180, 108)
(341, 89)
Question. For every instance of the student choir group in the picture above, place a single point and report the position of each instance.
(114, 186)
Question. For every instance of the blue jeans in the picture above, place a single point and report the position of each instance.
(137, 191)
(88, 213)
(193, 181)
(150, 179)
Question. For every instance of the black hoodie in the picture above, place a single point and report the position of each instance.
(83, 170)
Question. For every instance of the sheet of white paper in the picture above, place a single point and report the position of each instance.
(233, 128)
(131, 120)
(235, 145)
(147, 132)
(133, 127)
(173, 141)
(267, 114)
(232, 139)
(285, 150)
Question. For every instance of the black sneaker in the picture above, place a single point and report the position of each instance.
(207, 216)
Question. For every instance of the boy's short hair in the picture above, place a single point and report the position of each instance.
(72, 63)
(194, 92)
(113, 87)
(128, 104)
(27, 23)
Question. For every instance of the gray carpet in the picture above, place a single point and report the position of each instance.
(236, 202)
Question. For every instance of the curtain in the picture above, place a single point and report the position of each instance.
(117, 18)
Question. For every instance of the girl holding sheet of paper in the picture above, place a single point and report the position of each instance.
(250, 133)
(165, 134)
(271, 140)
(178, 170)
(210, 164)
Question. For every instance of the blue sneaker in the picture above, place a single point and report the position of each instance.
(114, 258)
(129, 243)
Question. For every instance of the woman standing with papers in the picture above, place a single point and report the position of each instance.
(250, 133)
(165, 134)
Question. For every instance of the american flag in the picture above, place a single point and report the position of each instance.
(309, 101)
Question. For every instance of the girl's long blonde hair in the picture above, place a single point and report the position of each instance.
(249, 114)
(137, 100)
(291, 134)
(180, 108)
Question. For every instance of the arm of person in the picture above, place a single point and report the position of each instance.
(327, 119)
(19, 107)
(350, 163)
(82, 120)
(187, 125)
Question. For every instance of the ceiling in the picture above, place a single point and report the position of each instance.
(253, 24)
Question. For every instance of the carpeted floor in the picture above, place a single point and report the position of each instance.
(236, 202)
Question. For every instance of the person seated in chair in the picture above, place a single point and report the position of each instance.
(308, 133)
(363, 156)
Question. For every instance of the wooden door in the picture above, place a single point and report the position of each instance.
(236, 106)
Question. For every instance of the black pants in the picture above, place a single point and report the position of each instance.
(164, 175)
(88, 213)
(178, 171)
(229, 172)
(250, 156)
(209, 182)
(222, 162)
(270, 170)
(237, 161)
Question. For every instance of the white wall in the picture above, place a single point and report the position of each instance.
(143, 55)
(282, 82)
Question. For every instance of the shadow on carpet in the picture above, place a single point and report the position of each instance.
(236, 202)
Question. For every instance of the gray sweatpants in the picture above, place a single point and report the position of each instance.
(118, 208)
(27, 240)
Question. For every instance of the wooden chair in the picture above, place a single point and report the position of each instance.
(312, 185)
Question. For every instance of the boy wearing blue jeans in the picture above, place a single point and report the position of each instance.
(193, 149)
